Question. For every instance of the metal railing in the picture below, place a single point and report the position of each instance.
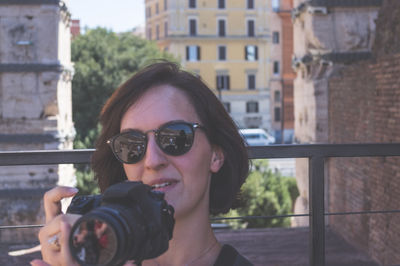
(316, 154)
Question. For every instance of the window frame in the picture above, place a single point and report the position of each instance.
(251, 28)
(251, 81)
(224, 80)
(192, 4)
(220, 49)
(252, 107)
(193, 53)
(221, 30)
(192, 20)
(250, 4)
(248, 54)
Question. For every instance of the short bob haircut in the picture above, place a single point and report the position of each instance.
(220, 130)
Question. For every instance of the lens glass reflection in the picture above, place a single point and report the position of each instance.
(94, 242)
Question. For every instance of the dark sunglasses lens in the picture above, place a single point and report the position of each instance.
(129, 147)
(176, 139)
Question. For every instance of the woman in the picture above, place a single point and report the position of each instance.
(199, 175)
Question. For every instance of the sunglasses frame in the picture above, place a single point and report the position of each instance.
(192, 126)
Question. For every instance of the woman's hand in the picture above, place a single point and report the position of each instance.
(56, 224)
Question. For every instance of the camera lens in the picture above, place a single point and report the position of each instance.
(101, 238)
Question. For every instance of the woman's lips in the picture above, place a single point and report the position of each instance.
(164, 186)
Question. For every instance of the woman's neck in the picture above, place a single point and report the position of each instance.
(193, 243)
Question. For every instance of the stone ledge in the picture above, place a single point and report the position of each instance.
(27, 138)
(29, 2)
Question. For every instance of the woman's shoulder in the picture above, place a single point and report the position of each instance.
(229, 256)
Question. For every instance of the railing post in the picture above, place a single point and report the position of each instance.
(317, 210)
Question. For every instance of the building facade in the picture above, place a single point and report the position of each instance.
(282, 108)
(35, 106)
(226, 43)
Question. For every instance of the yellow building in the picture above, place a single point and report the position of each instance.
(227, 43)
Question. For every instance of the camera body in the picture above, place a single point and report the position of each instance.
(128, 222)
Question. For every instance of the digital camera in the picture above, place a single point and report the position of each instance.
(129, 221)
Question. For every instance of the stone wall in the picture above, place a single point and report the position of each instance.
(364, 106)
(326, 34)
(35, 107)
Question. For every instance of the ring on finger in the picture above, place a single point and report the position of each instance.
(54, 242)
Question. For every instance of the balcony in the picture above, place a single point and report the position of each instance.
(321, 242)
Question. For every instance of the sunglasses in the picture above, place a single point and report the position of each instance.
(174, 138)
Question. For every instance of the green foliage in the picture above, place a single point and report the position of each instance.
(102, 61)
(263, 194)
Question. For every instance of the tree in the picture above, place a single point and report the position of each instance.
(264, 194)
(102, 61)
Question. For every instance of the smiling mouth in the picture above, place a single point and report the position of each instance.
(161, 185)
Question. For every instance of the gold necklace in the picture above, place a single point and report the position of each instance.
(197, 258)
(203, 253)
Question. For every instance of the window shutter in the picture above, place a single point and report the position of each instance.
(198, 53)
(256, 51)
(187, 52)
(227, 83)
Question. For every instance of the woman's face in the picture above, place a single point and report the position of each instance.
(187, 177)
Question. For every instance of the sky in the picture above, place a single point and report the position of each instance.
(118, 15)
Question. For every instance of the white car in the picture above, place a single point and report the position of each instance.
(257, 136)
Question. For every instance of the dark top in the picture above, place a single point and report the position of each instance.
(230, 257)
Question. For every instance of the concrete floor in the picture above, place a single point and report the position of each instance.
(266, 247)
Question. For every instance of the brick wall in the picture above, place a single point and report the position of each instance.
(364, 106)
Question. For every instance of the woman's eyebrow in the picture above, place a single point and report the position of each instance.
(129, 129)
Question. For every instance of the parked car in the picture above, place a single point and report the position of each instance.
(257, 136)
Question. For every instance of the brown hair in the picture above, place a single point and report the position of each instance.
(220, 129)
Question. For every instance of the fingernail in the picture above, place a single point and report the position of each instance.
(73, 189)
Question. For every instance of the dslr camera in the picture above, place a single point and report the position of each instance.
(129, 221)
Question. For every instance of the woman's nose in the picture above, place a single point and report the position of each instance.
(154, 157)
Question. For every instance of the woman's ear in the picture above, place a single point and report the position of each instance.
(217, 159)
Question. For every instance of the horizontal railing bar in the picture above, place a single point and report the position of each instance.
(255, 152)
(21, 226)
(324, 150)
(241, 217)
(45, 157)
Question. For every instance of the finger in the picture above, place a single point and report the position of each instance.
(51, 252)
(39, 263)
(64, 239)
(52, 198)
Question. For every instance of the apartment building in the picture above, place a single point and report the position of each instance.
(226, 43)
(282, 107)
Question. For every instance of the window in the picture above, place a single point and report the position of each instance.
(149, 34)
(165, 29)
(221, 4)
(251, 52)
(222, 52)
(157, 32)
(250, 28)
(157, 8)
(277, 114)
(275, 5)
(192, 3)
(252, 107)
(251, 81)
(192, 53)
(227, 106)
(165, 4)
(276, 68)
(275, 37)
(148, 12)
(221, 27)
(277, 96)
(250, 4)
(192, 27)
(223, 82)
